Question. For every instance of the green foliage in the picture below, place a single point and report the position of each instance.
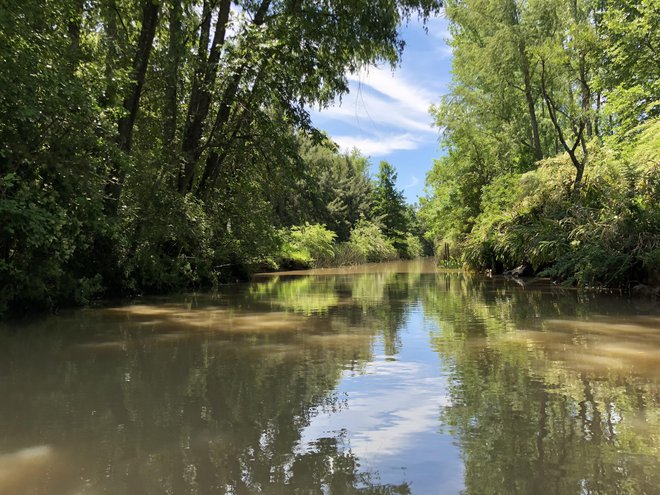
(450, 263)
(170, 245)
(52, 162)
(346, 255)
(609, 237)
(629, 76)
(153, 146)
(414, 247)
(307, 245)
(389, 207)
(551, 137)
(333, 189)
(314, 246)
(371, 243)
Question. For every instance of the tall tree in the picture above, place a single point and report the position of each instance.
(390, 206)
(175, 52)
(142, 136)
(568, 55)
(131, 103)
(629, 75)
(208, 58)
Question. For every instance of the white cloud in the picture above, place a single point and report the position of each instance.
(413, 182)
(392, 85)
(377, 146)
(370, 112)
(381, 100)
(387, 110)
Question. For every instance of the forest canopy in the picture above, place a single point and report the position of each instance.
(159, 145)
(552, 137)
(152, 145)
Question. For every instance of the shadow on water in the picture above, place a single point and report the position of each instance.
(546, 390)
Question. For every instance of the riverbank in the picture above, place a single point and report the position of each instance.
(604, 234)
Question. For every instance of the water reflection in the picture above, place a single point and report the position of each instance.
(382, 379)
(550, 392)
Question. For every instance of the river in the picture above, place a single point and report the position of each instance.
(393, 378)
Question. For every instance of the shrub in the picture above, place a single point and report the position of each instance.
(368, 240)
(307, 245)
(608, 235)
(347, 254)
(413, 246)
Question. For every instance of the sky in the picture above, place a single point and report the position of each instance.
(393, 406)
(385, 115)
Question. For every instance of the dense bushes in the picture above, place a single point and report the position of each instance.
(606, 234)
(369, 242)
(352, 218)
(315, 246)
(307, 245)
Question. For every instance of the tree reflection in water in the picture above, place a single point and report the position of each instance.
(206, 395)
(543, 398)
(548, 391)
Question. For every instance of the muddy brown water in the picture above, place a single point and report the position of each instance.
(394, 378)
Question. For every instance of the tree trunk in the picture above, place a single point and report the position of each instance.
(132, 100)
(200, 96)
(215, 159)
(585, 95)
(140, 63)
(536, 138)
(599, 97)
(174, 51)
(578, 130)
(527, 79)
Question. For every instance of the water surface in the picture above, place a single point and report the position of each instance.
(382, 379)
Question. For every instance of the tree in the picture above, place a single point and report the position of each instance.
(142, 137)
(131, 103)
(556, 77)
(339, 190)
(568, 55)
(52, 161)
(389, 206)
(629, 74)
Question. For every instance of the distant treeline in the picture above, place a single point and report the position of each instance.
(552, 134)
(153, 145)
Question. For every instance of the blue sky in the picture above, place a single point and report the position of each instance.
(385, 115)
